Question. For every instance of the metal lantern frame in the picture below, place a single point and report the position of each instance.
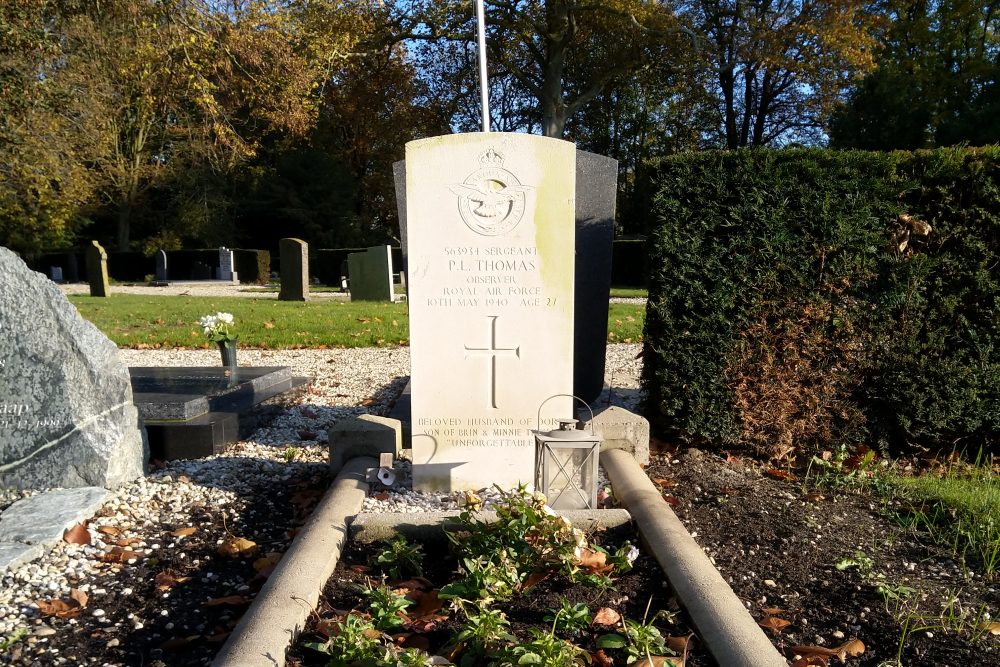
(581, 478)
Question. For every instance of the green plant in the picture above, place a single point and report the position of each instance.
(291, 453)
(570, 619)
(401, 559)
(483, 635)
(353, 641)
(544, 649)
(639, 640)
(860, 560)
(8, 642)
(953, 616)
(385, 606)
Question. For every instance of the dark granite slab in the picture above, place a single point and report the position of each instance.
(183, 393)
(191, 412)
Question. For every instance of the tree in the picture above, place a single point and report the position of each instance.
(937, 81)
(780, 65)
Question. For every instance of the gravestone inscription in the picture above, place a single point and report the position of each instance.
(490, 247)
(66, 412)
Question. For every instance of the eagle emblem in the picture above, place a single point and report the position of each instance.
(491, 200)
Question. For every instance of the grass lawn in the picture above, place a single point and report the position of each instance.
(172, 321)
(629, 292)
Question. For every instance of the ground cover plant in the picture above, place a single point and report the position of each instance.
(172, 321)
(525, 589)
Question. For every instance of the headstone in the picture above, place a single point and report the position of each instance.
(490, 239)
(596, 187)
(226, 271)
(161, 266)
(596, 192)
(294, 270)
(370, 274)
(56, 274)
(66, 412)
(97, 269)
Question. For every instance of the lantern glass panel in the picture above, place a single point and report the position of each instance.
(569, 475)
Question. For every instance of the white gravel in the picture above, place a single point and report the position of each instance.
(347, 383)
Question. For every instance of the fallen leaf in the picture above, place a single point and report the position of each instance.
(79, 596)
(184, 532)
(237, 546)
(533, 579)
(267, 562)
(780, 474)
(774, 623)
(429, 604)
(268, 325)
(179, 644)
(167, 579)
(993, 627)
(658, 661)
(773, 611)
(111, 531)
(384, 495)
(601, 659)
(849, 649)
(64, 608)
(78, 534)
(606, 616)
(664, 483)
(411, 640)
(228, 599)
(813, 497)
(811, 661)
(671, 500)
(592, 560)
(120, 555)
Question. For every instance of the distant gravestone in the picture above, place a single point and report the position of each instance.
(66, 412)
(161, 266)
(370, 274)
(294, 270)
(226, 271)
(490, 242)
(97, 269)
(56, 274)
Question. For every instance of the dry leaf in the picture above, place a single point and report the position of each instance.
(601, 659)
(671, 500)
(780, 474)
(228, 599)
(664, 483)
(533, 579)
(592, 560)
(64, 608)
(658, 661)
(811, 661)
(268, 325)
(109, 530)
(774, 623)
(121, 555)
(237, 546)
(167, 579)
(849, 649)
(79, 596)
(428, 605)
(606, 616)
(267, 562)
(773, 611)
(78, 534)
(184, 532)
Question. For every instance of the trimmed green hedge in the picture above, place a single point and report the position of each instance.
(798, 301)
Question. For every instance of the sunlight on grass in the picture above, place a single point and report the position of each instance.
(172, 321)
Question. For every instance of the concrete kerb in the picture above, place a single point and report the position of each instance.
(279, 612)
(724, 624)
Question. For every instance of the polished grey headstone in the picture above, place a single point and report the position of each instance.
(183, 393)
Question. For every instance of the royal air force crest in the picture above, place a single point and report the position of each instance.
(491, 199)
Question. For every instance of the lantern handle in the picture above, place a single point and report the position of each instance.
(538, 417)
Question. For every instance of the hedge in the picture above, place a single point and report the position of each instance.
(804, 299)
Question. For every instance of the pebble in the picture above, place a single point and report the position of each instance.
(344, 382)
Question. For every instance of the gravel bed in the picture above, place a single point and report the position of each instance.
(347, 383)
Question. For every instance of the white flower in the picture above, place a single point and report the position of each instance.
(632, 554)
(227, 318)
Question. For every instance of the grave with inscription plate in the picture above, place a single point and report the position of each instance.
(490, 247)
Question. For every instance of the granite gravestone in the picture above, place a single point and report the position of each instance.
(97, 269)
(66, 412)
(596, 188)
(370, 274)
(490, 242)
(294, 257)
(161, 266)
(226, 271)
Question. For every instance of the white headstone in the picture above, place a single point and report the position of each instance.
(491, 254)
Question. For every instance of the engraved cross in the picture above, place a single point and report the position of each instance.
(493, 351)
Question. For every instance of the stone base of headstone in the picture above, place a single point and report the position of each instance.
(366, 435)
(620, 429)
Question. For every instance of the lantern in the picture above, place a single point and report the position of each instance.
(566, 461)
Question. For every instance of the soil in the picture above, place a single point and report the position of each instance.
(774, 541)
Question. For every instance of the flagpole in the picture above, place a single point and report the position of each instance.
(484, 88)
